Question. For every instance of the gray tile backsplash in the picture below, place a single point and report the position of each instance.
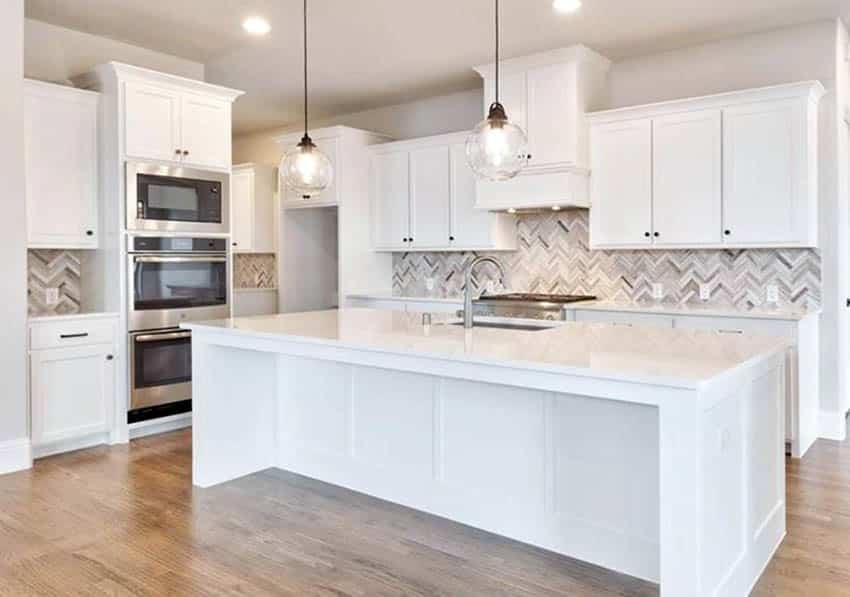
(53, 268)
(554, 257)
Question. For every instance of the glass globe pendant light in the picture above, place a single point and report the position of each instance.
(306, 170)
(497, 148)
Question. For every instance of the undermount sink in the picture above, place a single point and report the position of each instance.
(524, 327)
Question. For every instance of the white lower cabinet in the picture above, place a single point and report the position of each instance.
(424, 199)
(72, 384)
(802, 378)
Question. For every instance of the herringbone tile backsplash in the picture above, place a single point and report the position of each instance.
(254, 270)
(53, 268)
(554, 257)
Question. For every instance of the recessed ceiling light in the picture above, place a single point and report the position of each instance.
(256, 26)
(566, 6)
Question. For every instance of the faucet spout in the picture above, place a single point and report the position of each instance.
(468, 320)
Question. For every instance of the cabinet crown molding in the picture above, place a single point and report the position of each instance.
(329, 132)
(575, 53)
(811, 90)
(128, 72)
(420, 143)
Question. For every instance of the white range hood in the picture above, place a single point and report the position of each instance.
(548, 95)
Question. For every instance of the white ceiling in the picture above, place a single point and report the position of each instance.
(370, 53)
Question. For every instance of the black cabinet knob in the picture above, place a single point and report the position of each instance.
(89, 232)
(657, 234)
(109, 357)
(647, 234)
(410, 240)
(235, 244)
(177, 152)
(185, 152)
(727, 232)
(528, 157)
(451, 238)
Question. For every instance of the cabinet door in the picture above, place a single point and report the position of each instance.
(470, 227)
(390, 181)
(242, 210)
(551, 115)
(152, 122)
(205, 131)
(429, 197)
(61, 168)
(687, 176)
(621, 184)
(72, 392)
(763, 153)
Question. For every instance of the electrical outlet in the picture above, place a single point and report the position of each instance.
(704, 292)
(51, 296)
(429, 284)
(658, 291)
(772, 294)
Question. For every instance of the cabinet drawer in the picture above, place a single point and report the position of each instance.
(626, 319)
(729, 325)
(78, 332)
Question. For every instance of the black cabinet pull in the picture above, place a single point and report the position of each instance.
(451, 238)
(109, 357)
(185, 152)
(177, 152)
(657, 234)
(235, 244)
(89, 232)
(647, 234)
(70, 336)
(727, 232)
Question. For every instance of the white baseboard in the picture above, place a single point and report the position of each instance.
(163, 425)
(833, 425)
(15, 455)
(70, 445)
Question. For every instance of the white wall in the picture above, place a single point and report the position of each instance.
(54, 53)
(432, 116)
(13, 259)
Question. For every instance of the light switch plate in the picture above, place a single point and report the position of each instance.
(772, 294)
(704, 292)
(658, 291)
(51, 296)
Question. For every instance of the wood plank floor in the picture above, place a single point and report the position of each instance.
(126, 521)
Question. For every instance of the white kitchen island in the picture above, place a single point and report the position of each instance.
(657, 453)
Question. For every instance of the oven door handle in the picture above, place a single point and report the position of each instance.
(180, 259)
(161, 337)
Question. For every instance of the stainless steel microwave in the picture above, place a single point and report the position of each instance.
(176, 199)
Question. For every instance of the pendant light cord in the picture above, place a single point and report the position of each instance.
(497, 51)
(306, 128)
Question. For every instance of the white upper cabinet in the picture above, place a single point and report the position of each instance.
(686, 172)
(252, 208)
(152, 122)
(423, 199)
(621, 160)
(206, 131)
(170, 119)
(547, 95)
(767, 173)
(430, 179)
(734, 170)
(61, 160)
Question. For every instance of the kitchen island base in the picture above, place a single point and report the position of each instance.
(676, 485)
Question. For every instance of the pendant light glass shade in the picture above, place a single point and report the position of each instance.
(497, 148)
(306, 170)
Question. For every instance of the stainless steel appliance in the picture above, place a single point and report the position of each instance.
(174, 199)
(172, 280)
(549, 307)
(160, 374)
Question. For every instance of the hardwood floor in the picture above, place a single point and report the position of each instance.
(126, 521)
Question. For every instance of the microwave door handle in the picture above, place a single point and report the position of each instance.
(160, 337)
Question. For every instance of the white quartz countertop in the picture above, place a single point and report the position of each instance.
(689, 309)
(673, 357)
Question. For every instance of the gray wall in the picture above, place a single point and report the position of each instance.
(13, 255)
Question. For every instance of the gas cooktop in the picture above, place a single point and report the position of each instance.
(527, 305)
